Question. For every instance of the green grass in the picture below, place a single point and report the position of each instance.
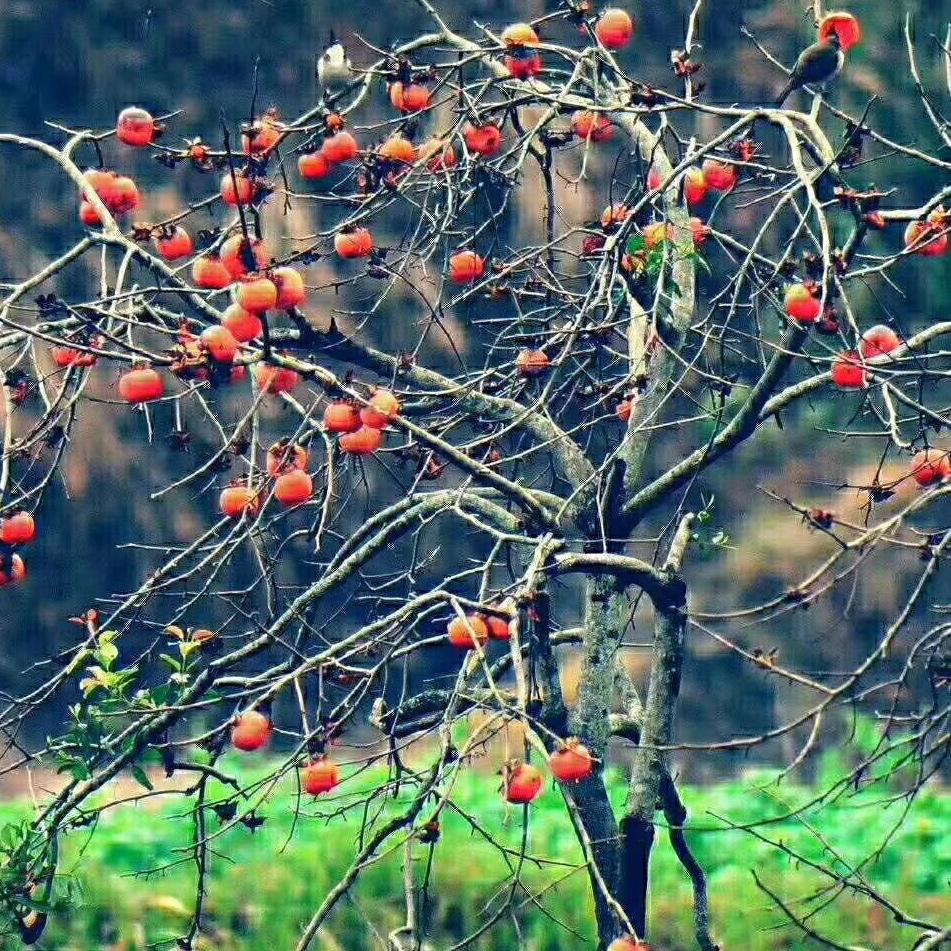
(264, 884)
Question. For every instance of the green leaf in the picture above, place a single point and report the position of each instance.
(141, 778)
(76, 768)
(8, 836)
(159, 696)
(637, 243)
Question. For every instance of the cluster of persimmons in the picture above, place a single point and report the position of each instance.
(240, 264)
(255, 287)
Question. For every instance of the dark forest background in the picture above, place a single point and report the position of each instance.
(77, 64)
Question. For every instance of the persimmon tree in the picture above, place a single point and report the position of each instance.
(492, 485)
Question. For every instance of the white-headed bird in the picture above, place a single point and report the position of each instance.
(333, 66)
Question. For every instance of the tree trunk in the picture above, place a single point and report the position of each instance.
(606, 617)
(650, 763)
(594, 821)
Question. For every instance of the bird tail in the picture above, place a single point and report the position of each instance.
(787, 89)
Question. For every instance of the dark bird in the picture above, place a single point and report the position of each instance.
(817, 64)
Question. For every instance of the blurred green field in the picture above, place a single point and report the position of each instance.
(264, 884)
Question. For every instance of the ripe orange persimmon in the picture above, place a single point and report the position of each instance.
(696, 186)
(614, 28)
(720, 176)
(357, 243)
(135, 127)
(141, 385)
(12, 570)
(627, 943)
(263, 136)
(88, 215)
(103, 183)
(256, 293)
(118, 193)
(18, 529)
(467, 632)
(848, 372)
(395, 93)
(239, 499)
(65, 357)
(520, 34)
(220, 343)
(290, 287)
(241, 324)
(409, 97)
(498, 627)
(466, 267)
(124, 196)
(572, 763)
(252, 731)
(275, 380)
(624, 410)
(438, 155)
(593, 126)
(523, 784)
(234, 255)
(700, 231)
(293, 488)
(362, 442)
(532, 362)
(285, 456)
(846, 25)
(341, 417)
(654, 179)
(320, 776)
(930, 466)
(614, 215)
(523, 64)
(927, 238)
(340, 147)
(398, 149)
(484, 140)
(68, 357)
(383, 409)
(314, 166)
(175, 245)
(209, 273)
(237, 190)
(801, 304)
(878, 340)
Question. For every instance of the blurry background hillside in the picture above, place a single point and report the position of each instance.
(79, 63)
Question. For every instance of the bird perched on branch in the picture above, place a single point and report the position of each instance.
(817, 64)
(333, 65)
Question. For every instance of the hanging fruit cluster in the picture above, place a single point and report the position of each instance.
(361, 430)
(16, 529)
